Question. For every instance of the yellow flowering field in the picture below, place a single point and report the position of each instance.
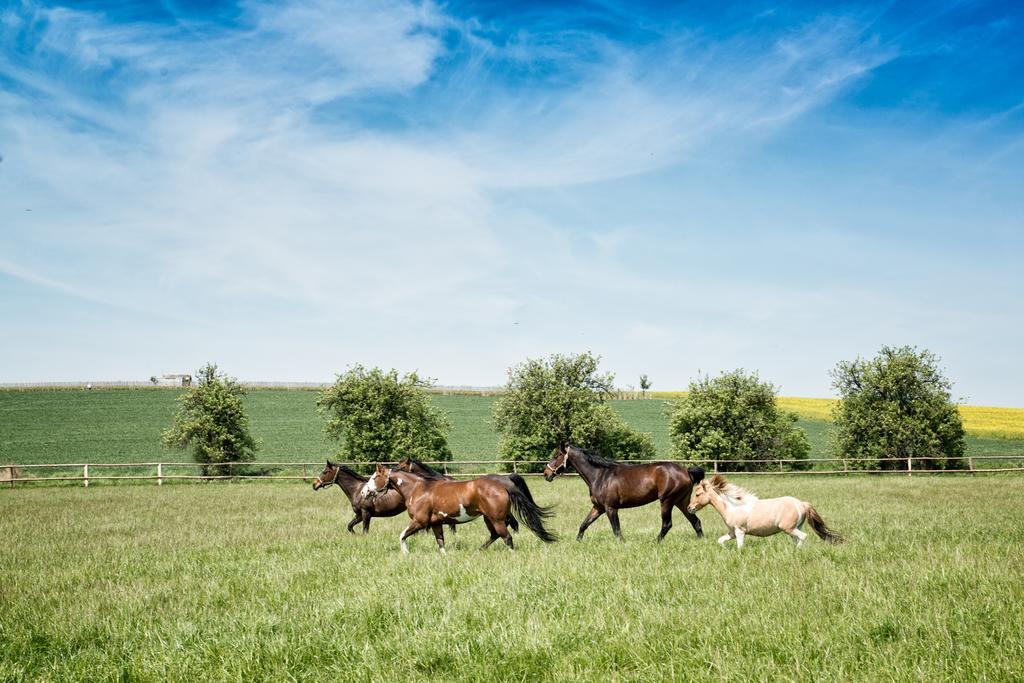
(1006, 423)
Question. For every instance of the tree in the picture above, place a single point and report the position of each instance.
(897, 405)
(378, 416)
(645, 384)
(734, 418)
(546, 402)
(211, 420)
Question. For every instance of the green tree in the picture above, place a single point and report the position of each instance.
(378, 416)
(734, 417)
(546, 402)
(645, 385)
(211, 420)
(897, 405)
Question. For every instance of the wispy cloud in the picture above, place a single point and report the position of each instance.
(387, 166)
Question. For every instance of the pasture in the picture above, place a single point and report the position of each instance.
(258, 580)
(125, 425)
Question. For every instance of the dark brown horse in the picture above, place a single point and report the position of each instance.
(432, 503)
(615, 485)
(352, 484)
(417, 467)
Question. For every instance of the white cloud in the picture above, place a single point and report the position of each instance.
(200, 182)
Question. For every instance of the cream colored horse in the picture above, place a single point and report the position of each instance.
(744, 513)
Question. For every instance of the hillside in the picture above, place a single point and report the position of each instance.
(125, 425)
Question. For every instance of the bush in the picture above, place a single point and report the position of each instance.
(547, 402)
(211, 420)
(897, 405)
(379, 417)
(734, 417)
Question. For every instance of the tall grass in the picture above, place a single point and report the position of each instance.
(260, 581)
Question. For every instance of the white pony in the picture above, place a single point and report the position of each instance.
(744, 513)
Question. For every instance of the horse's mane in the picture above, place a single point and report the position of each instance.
(428, 471)
(351, 472)
(596, 459)
(731, 490)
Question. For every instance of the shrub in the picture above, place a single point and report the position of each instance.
(546, 402)
(897, 405)
(211, 420)
(378, 416)
(734, 417)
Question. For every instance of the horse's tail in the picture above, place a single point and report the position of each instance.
(819, 526)
(531, 513)
(696, 474)
(519, 483)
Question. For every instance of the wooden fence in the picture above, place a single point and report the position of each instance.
(307, 471)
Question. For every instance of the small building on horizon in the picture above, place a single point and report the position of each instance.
(182, 380)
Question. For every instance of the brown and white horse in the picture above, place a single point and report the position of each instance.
(744, 513)
(614, 485)
(424, 470)
(432, 503)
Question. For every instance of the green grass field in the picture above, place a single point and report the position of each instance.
(259, 581)
(125, 426)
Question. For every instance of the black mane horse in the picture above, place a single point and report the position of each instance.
(365, 508)
(614, 485)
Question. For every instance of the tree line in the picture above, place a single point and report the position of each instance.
(894, 406)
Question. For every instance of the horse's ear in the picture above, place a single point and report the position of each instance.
(329, 463)
(563, 447)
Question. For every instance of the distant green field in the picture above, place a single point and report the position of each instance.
(125, 426)
(259, 581)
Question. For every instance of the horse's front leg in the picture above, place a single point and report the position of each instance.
(740, 535)
(355, 520)
(693, 519)
(725, 539)
(413, 527)
(588, 520)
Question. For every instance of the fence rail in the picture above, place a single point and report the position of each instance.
(158, 471)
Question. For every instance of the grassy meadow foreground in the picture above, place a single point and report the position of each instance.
(259, 581)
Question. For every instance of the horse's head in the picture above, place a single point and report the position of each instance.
(700, 497)
(405, 465)
(378, 483)
(327, 477)
(559, 461)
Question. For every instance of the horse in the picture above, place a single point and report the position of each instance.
(364, 508)
(433, 502)
(615, 485)
(744, 513)
(417, 467)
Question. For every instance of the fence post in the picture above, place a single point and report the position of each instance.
(780, 466)
(85, 476)
(910, 466)
(970, 464)
(159, 474)
(715, 470)
(514, 465)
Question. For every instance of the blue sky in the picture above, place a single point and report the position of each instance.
(290, 188)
